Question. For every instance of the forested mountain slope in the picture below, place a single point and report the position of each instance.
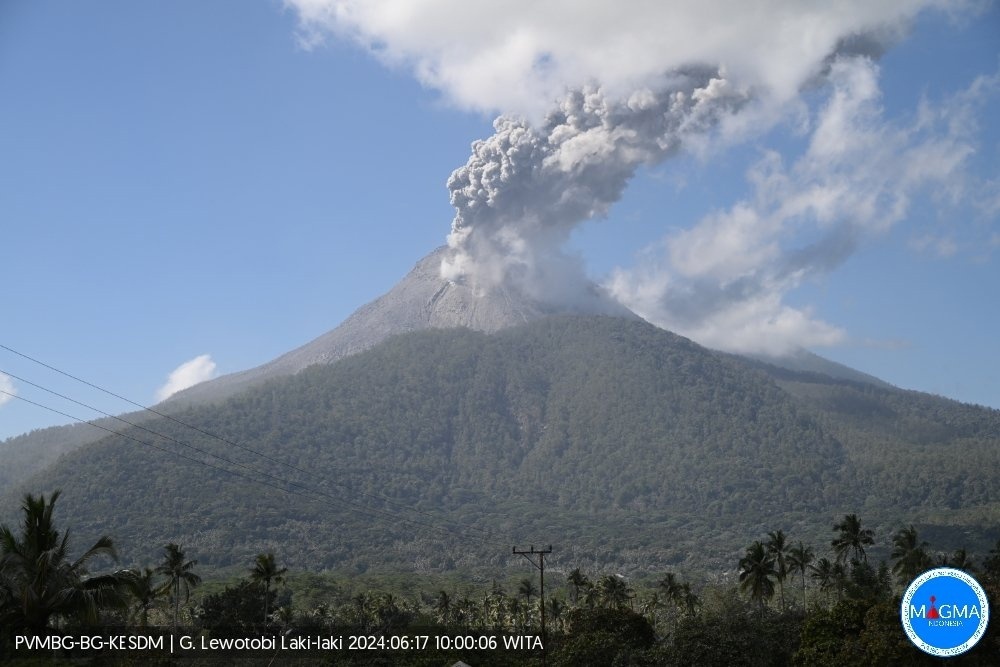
(623, 445)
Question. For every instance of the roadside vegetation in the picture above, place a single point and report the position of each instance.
(788, 603)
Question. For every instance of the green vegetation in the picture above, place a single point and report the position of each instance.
(40, 583)
(629, 448)
(592, 620)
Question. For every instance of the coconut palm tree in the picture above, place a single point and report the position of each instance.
(615, 593)
(823, 574)
(799, 558)
(670, 587)
(909, 555)
(38, 581)
(527, 589)
(179, 576)
(578, 580)
(688, 600)
(757, 574)
(264, 571)
(144, 592)
(777, 546)
(852, 539)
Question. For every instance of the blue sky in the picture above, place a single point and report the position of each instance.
(233, 179)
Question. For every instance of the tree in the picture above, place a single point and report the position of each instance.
(830, 576)
(960, 560)
(799, 558)
(777, 547)
(179, 576)
(615, 593)
(670, 587)
(757, 573)
(604, 637)
(909, 555)
(233, 612)
(852, 539)
(689, 600)
(822, 574)
(591, 596)
(38, 582)
(527, 589)
(144, 592)
(577, 580)
(442, 607)
(555, 609)
(991, 566)
(264, 571)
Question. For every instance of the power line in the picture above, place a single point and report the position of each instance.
(343, 503)
(323, 479)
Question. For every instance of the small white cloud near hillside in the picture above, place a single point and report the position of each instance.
(7, 385)
(186, 375)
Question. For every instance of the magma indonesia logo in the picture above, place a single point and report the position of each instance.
(945, 612)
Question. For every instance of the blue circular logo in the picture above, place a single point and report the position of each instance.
(945, 612)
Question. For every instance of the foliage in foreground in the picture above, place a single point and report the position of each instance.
(591, 620)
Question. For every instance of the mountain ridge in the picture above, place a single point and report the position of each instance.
(627, 445)
(422, 299)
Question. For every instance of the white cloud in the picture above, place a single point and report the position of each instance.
(521, 55)
(723, 282)
(186, 375)
(7, 385)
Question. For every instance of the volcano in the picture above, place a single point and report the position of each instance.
(421, 300)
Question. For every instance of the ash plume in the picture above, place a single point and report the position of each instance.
(524, 189)
(650, 79)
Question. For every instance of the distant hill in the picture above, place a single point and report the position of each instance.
(623, 445)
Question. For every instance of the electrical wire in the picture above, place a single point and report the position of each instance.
(314, 475)
(304, 489)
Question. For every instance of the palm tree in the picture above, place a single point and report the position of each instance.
(756, 574)
(38, 582)
(777, 546)
(852, 539)
(442, 607)
(527, 589)
(264, 571)
(670, 587)
(689, 601)
(679, 594)
(142, 589)
(615, 593)
(822, 574)
(909, 555)
(555, 609)
(179, 575)
(577, 580)
(650, 605)
(799, 558)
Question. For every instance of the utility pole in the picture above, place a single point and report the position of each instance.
(540, 565)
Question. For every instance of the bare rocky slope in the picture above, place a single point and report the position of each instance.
(421, 300)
